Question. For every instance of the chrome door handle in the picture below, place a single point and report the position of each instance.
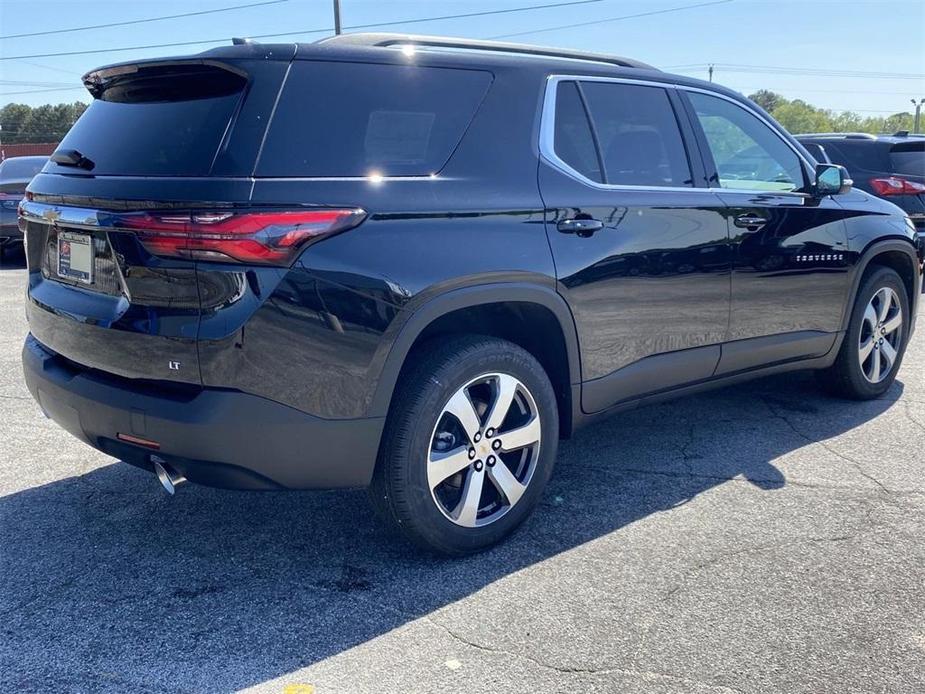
(750, 222)
(582, 227)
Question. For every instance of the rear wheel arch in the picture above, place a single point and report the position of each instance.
(533, 317)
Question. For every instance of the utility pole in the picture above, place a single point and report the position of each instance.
(918, 111)
(337, 16)
(711, 72)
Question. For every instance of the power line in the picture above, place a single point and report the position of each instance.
(40, 91)
(797, 71)
(49, 67)
(27, 83)
(610, 19)
(142, 21)
(316, 31)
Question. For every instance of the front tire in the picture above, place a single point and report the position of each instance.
(469, 444)
(874, 344)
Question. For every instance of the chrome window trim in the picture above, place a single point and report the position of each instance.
(547, 134)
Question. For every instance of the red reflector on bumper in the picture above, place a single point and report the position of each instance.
(138, 441)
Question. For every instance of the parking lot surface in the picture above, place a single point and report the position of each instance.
(763, 538)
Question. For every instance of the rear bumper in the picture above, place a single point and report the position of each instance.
(215, 437)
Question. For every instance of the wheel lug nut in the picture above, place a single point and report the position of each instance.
(496, 444)
(490, 432)
(478, 466)
(477, 438)
(491, 461)
(471, 453)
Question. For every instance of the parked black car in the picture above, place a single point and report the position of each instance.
(416, 263)
(15, 174)
(888, 166)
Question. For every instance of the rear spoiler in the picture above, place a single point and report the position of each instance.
(100, 80)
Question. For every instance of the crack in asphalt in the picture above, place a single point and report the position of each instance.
(746, 480)
(851, 461)
(723, 557)
(647, 675)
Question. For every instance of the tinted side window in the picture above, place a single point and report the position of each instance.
(574, 143)
(354, 119)
(638, 133)
(817, 151)
(748, 154)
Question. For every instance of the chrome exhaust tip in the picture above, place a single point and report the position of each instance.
(169, 478)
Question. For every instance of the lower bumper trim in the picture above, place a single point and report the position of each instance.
(218, 437)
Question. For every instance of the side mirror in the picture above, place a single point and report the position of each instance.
(831, 179)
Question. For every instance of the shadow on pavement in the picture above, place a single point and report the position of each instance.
(12, 258)
(109, 584)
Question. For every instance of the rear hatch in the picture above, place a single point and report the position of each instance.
(165, 145)
(907, 164)
(892, 167)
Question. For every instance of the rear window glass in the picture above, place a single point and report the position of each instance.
(343, 119)
(21, 167)
(908, 158)
(859, 155)
(162, 124)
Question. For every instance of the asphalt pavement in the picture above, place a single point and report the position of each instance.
(762, 538)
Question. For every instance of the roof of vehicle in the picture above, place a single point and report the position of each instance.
(387, 47)
(901, 136)
(496, 48)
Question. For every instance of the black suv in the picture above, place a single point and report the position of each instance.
(889, 166)
(415, 264)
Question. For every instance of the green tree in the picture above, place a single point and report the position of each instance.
(47, 123)
(897, 122)
(12, 119)
(767, 99)
(847, 122)
(799, 117)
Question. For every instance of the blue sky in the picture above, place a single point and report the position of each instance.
(864, 36)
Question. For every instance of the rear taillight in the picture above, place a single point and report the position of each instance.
(268, 238)
(10, 201)
(895, 185)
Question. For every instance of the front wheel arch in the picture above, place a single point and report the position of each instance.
(896, 254)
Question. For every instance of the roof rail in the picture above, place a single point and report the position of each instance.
(844, 136)
(390, 40)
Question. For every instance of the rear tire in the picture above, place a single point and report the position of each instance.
(874, 344)
(453, 475)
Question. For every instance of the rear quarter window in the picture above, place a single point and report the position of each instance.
(357, 119)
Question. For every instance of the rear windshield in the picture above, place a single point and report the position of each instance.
(864, 155)
(159, 121)
(353, 119)
(908, 158)
(21, 167)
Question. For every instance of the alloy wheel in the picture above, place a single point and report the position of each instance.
(881, 335)
(488, 431)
